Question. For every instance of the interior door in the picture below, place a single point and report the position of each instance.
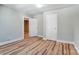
(51, 26)
(32, 27)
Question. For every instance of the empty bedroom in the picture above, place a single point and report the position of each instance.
(39, 29)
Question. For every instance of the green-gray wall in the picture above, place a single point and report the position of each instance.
(39, 24)
(10, 24)
(67, 23)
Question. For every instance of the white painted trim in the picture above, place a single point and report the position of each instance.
(77, 48)
(39, 35)
(59, 40)
(65, 41)
(3, 43)
(23, 27)
(44, 38)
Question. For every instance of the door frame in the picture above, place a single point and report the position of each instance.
(56, 25)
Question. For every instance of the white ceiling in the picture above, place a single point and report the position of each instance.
(31, 9)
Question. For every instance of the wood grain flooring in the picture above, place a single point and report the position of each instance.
(38, 46)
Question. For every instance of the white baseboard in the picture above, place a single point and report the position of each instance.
(59, 40)
(77, 47)
(3, 43)
(40, 36)
(65, 41)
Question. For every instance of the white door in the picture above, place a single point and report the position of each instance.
(51, 26)
(32, 27)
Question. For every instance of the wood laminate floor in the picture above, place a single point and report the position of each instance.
(38, 46)
(26, 36)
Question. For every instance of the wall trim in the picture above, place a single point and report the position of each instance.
(76, 47)
(23, 27)
(39, 35)
(58, 40)
(3, 43)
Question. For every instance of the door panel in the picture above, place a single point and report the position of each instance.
(33, 27)
(51, 26)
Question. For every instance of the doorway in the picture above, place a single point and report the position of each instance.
(26, 28)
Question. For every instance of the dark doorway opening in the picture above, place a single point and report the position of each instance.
(26, 28)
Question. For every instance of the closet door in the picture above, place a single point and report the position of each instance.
(51, 26)
(32, 27)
